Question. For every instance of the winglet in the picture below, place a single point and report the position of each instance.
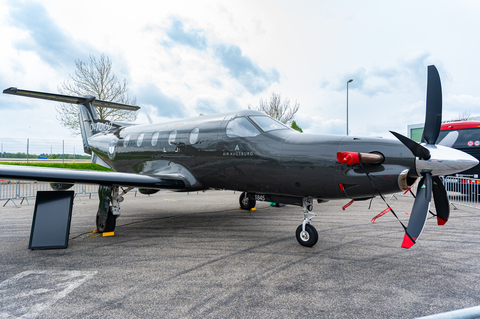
(407, 242)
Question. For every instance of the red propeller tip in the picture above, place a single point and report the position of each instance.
(441, 221)
(407, 242)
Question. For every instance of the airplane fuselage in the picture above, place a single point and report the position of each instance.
(206, 152)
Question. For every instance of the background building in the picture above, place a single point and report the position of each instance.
(415, 130)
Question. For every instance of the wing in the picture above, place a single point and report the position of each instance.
(59, 175)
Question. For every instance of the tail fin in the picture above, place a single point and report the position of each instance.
(90, 124)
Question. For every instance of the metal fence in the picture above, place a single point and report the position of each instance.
(463, 191)
(460, 191)
(28, 148)
(15, 191)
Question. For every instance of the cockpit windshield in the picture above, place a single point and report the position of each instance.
(267, 123)
(241, 127)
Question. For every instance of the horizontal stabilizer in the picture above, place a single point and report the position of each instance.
(70, 99)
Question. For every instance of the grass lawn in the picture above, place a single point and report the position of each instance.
(85, 166)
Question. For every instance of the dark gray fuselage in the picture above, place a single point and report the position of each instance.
(278, 162)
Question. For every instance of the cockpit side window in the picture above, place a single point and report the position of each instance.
(267, 123)
(241, 127)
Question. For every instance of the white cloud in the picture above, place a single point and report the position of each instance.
(305, 52)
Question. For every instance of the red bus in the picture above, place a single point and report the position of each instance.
(465, 136)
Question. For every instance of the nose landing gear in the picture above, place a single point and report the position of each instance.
(306, 234)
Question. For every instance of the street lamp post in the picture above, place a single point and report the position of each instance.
(347, 102)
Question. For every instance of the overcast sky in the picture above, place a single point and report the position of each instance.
(183, 58)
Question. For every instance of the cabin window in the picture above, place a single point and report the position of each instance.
(126, 140)
(140, 139)
(171, 138)
(241, 127)
(267, 123)
(194, 135)
(155, 138)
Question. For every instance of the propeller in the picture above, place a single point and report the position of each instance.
(450, 139)
(428, 183)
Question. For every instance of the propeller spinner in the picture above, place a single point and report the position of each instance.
(432, 161)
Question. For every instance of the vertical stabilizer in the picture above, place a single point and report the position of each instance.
(90, 124)
(87, 117)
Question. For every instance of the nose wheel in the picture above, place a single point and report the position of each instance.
(307, 237)
(306, 234)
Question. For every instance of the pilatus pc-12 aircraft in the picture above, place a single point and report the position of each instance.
(251, 152)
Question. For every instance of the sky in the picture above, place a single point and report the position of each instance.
(183, 58)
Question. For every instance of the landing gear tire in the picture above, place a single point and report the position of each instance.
(245, 202)
(108, 225)
(307, 238)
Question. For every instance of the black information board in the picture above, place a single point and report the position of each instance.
(51, 220)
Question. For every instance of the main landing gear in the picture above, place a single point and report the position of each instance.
(307, 234)
(247, 201)
(107, 214)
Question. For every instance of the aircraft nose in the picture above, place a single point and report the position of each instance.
(445, 161)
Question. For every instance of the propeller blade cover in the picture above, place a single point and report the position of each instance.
(442, 205)
(419, 214)
(433, 116)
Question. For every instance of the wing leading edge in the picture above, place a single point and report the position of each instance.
(59, 175)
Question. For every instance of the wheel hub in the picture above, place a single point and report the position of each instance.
(304, 236)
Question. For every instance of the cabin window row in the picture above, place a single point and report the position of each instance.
(193, 138)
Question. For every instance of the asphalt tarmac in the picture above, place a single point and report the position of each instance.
(176, 255)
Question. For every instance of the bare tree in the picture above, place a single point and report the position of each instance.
(95, 78)
(282, 111)
(464, 116)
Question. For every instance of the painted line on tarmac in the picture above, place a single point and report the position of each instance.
(28, 293)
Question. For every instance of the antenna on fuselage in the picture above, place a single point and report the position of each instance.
(149, 119)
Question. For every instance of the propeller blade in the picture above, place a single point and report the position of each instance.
(416, 149)
(418, 217)
(433, 116)
(449, 140)
(440, 197)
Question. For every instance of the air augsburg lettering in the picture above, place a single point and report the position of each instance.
(98, 126)
(237, 153)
